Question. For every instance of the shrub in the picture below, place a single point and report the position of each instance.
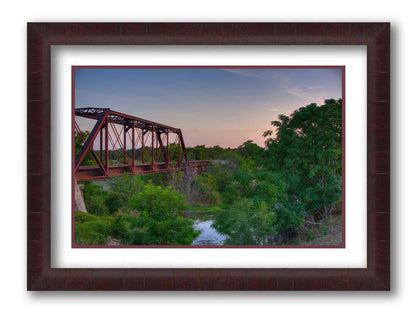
(119, 228)
(246, 223)
(92, 232)
(288, 220)
(82, 217)
(159, 203)
(96, 206)
(115, 201)
(204, 190)
(126, 185)
(159, 221)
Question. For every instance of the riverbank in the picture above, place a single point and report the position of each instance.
(328, 233)
(202, 213)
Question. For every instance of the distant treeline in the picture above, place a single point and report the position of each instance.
(199, 152)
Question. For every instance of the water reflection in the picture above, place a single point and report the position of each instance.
(208, 235)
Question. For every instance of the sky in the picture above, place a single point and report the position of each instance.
(212, 106)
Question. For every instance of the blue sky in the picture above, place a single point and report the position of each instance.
(212, 106)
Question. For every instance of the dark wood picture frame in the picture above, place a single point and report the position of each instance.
(40, 38)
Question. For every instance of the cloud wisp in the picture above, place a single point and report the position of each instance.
(262, 74)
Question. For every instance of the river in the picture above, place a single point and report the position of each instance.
(208, 235)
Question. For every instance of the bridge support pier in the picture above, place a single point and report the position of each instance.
(79, 199)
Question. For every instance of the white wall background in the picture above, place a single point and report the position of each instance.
(14, 16)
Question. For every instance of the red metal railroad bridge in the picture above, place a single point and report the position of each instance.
(120, 144)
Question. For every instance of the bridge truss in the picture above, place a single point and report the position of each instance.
(120, 144)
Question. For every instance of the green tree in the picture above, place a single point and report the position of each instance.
(158, 221)
(121, 189)
(119, 228)
(246, 223)
(203, 190)
(94, 197)
(221, 174)
(251, 150)
(127, 185)
(91, 229)
(307, 152)
(259, 185)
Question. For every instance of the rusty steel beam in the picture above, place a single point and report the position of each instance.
(106, 146)
(167, 147)
(90, 140)
(153, 146)
(87, 173)
(133, 155)
(120, 118)
(182, 143)
(161, 145)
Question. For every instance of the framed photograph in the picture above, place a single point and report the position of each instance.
(208, 156)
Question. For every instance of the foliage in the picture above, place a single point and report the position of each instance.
(221, 174)
(307, 152)
(203, 190)
(201, 152)
(198, 189)
(288, 221)
(198, 152)
(119, 228)
(258, 185)
(251, 150)
(159, 221)
(175, 231)
(246, 223)
(159, 203)
(297, 177)
(91, 229)
(176, 180)
(115, 201)
(94, 197)
(127, 185)
(207, 210)
(96, 205)
(154, 218)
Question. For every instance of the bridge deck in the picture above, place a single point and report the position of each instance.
(87, 173)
